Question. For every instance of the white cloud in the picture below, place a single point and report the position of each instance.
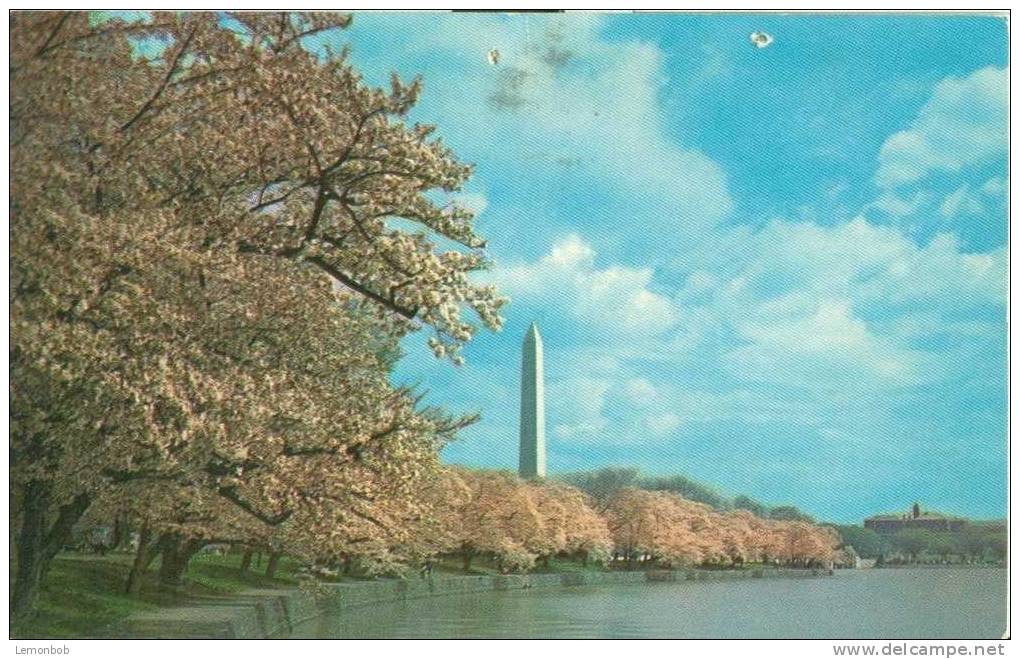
(662, 424)
(961, 202)
(576, 404)
(964, 123)
(639, 391)
(995, 186)
(891, 203)
(826, 310)
(828, 345)
(581, 430)
(562, 101)
(615, 300)
(476, 202)
(588, 408)
(940, 274)
(811, 304)
(859, 261)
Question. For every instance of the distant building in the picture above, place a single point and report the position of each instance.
(915, 519)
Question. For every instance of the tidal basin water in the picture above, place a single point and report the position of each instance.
(871, 604)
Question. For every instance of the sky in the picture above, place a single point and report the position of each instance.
(779, 271)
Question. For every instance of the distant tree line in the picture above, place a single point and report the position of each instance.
(602, 483)
(976, 543)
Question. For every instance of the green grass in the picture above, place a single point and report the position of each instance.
(82, 595)
(223, 574)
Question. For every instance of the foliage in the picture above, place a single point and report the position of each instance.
(687, 488)
(603, 483)
(790, 514)
(913, 541)
(756, 508)
(497, 515)
(974, 542)
(206, 289)
(671, 530)
(866, 542)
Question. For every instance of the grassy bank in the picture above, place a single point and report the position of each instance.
(83, 593)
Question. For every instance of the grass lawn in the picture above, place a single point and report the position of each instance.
(85, 593)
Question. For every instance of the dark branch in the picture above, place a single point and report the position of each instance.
(347, 281)
(166, 81)
(230, 494)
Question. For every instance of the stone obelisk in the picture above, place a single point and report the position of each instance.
(532, 459)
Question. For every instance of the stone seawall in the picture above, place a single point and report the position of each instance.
(257, 614)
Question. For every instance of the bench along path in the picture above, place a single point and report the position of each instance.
(257, 614)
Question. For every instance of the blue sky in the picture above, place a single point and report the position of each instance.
(780, 271)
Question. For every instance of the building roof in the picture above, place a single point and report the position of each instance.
(908, 516)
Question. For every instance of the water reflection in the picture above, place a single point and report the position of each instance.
(908, 603)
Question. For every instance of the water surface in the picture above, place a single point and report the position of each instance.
(892, 603)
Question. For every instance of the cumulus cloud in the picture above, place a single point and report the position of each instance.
(576, 404)
(893, 204)
(823, 310)
(963, 123)
(614, 300)
(639, 391)
(662, 424)
(826, 346)
(607, 410)
(995, 186)
(564, 102)
(961, 201)
(817, 305)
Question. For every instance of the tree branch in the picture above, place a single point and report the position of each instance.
(230, 494)
(166, 81)
(347, 281)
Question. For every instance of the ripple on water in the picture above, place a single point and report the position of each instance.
(904, 603)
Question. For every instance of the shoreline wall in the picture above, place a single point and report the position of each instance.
(261, 614)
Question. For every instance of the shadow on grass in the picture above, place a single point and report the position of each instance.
(82, 595)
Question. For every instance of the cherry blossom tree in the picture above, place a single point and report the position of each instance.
(202, 260)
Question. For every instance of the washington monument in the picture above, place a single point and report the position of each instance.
(532, 460)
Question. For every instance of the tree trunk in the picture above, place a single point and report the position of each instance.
(143, 556)
(119, 523)
(274, 562)
(246, 559)
(38, 544)
(32, 536)
(176, 555)
(467, 560)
